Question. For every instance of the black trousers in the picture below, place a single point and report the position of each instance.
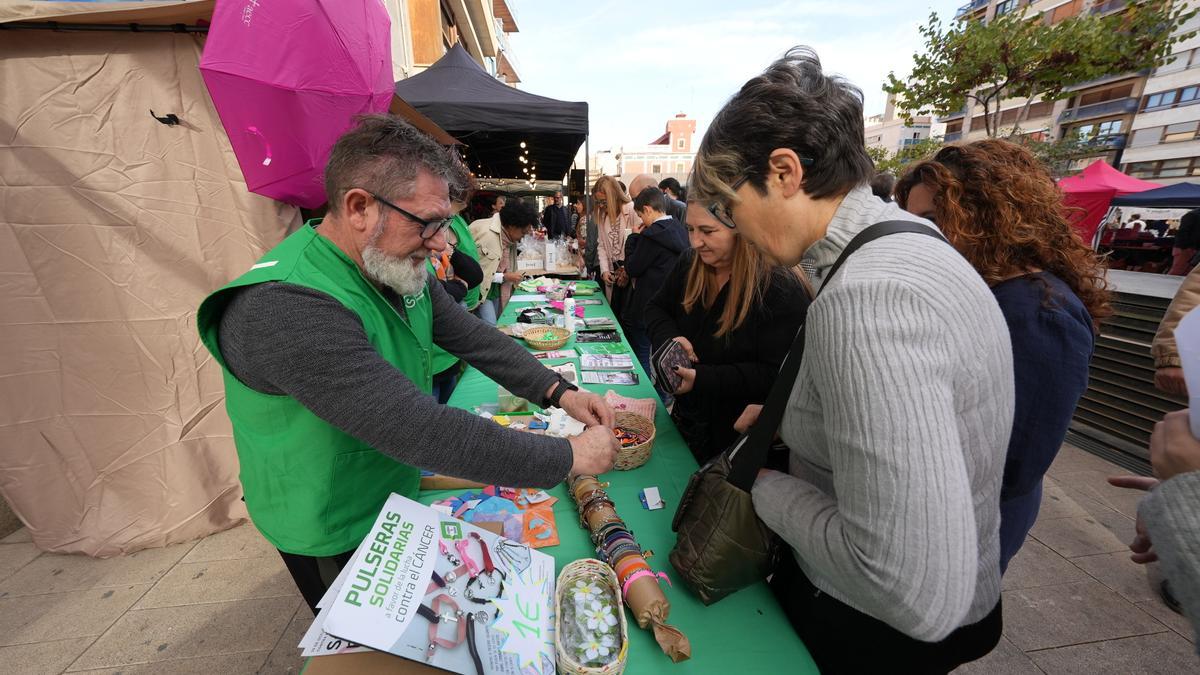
(313, 576)
(842, 639)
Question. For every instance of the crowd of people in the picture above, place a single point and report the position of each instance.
(938, 379)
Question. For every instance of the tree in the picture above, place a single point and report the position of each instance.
(1016, 56)
(1058, 155)
(894, 163)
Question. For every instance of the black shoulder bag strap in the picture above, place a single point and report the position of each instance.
(749, 453)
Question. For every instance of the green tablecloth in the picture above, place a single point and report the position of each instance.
(745, 633)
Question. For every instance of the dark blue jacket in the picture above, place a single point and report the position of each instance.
(1052, 342)
(557, 222)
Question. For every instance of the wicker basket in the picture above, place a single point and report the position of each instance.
(635, 455)
(533, 338)
(589, 569)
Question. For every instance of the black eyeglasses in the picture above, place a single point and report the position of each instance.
(429, 228)
(722, 212)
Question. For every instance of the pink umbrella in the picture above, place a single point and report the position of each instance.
(287, 78)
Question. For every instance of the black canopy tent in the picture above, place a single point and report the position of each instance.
(1177, 196)
(494, 120)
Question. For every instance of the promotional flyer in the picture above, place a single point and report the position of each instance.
(434, 589)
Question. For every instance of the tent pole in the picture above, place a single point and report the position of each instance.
(120, 28)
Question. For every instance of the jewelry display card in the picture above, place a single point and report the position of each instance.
(440, 591)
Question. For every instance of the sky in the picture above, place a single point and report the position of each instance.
(637, 64)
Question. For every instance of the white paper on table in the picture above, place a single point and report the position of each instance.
(529, 297)
(316, 642)
(560, 424)
(514, 630)
(1187, 339)
(568, 371)
(332, 591)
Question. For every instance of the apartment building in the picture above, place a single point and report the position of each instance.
(427, 28)
(671, 154)
(1100, 113)
(1165, 141)
(888, 132)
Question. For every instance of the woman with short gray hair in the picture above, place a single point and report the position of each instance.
(901, 412)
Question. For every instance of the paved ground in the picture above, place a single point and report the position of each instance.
(1073, 602)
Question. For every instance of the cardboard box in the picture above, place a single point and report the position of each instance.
(367, 663)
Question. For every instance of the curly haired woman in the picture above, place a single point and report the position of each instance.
(1001, 209)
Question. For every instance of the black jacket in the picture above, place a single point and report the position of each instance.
(677, 210)
(649, 257)
(557, 222)
(1188, 235)
(734, 370)
(466, 269)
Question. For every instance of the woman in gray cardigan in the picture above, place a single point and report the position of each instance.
(900, 416)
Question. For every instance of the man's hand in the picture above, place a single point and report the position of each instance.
(622, 278)
(594, 451)
(1173, 449)
(688, 380)
(1171, 381)
(1141, 546)
(514, 277)
(588, 408)
(1143, 483)
(687, 348)
(748, 417)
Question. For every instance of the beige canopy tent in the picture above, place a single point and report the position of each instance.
(113, 227)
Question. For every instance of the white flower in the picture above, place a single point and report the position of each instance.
(594, 647)
(585, 592)
(599, 617)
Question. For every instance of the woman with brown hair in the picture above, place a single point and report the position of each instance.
(735, 317)
(1000, 208)
(612, 212)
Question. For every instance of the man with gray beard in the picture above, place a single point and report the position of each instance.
(325, 347)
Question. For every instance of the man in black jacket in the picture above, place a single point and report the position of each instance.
(650, 253)
(556, 220)
(1187, 243)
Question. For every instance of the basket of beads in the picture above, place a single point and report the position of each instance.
(590, 636)
(636, 436)
(547, 338)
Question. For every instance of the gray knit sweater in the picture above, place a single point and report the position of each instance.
(1171, 513)
(898, 427)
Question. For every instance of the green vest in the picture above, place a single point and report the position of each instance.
(466, 244)
(311, 488)
(442, 359)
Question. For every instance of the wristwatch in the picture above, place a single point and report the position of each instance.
(556, 394)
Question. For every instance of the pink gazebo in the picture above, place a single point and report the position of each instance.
(1092, 190)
